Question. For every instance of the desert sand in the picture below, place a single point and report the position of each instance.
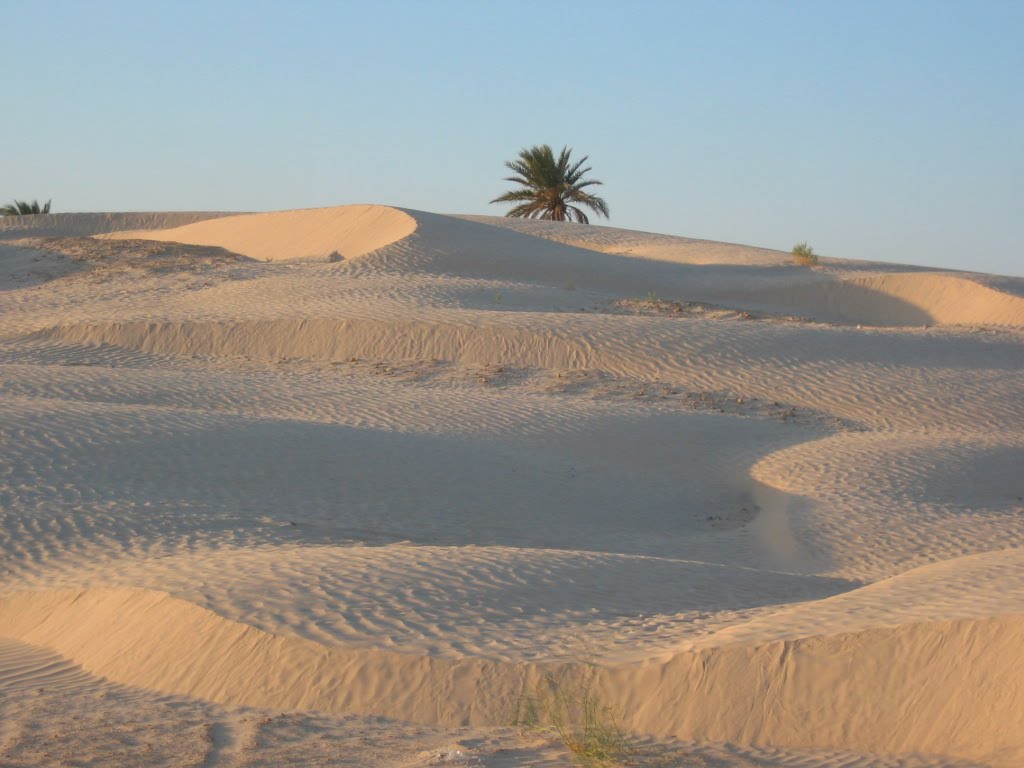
(331, 486)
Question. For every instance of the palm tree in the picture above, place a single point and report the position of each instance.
(550, 186)
(21, 208)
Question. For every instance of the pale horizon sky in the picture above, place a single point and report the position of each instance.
(889, 131)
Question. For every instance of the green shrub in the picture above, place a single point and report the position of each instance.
(567, 704)
(804, 254)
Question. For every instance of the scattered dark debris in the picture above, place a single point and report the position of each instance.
(104, 258)
(652, 307)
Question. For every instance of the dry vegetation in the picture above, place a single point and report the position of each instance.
(804, 254)
(122, 255)
(567, 704)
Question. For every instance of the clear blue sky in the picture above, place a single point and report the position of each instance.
(880, 130)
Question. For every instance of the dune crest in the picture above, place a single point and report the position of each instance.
(958, 677)
(896, 299)
(349, 231)
(623, 262)
(649, 245)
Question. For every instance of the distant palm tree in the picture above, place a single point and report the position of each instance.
(21, 208)
(550, 187)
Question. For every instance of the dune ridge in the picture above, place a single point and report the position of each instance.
(899, 298)
(838, 293)
(349, 231)
(784, 692)
(895, 295)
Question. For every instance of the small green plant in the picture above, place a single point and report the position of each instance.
(568, 705)
(21, 208)
(652, 297)
(804, 254)
(499, 297)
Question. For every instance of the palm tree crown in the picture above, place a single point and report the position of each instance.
(550, 186)
(21, 208)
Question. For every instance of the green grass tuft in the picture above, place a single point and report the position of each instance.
(568, 705)
(804, 254)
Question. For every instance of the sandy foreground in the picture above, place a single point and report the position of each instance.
(331, 487)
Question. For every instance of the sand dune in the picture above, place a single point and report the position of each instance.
(430, 458)
(958, 677)
(350, 231)
(889, 298)
(649, 245)
(903, 299)
(26, 667)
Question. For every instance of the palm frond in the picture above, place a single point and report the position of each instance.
(593, 202)
(22, 208)
(515, 196)
(580, 216)
(527, 211)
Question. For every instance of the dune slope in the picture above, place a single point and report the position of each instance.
(348, 231)
(958, 677)
(431, 459)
